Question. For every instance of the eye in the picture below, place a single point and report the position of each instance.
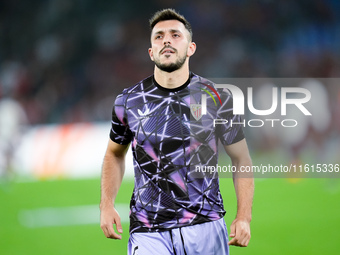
(158, 37)
(176, 35)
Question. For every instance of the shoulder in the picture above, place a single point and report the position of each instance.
(138, 87)
(135, 89)
(197, 79)
(205, 84)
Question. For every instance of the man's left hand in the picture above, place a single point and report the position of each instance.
(240, 231)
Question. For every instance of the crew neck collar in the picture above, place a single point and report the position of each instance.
(174, 89)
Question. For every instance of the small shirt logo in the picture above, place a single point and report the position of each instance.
(143, 114)
(196, 111)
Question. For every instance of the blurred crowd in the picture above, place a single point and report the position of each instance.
(65, 60)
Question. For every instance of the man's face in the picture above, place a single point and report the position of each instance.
(170, 45)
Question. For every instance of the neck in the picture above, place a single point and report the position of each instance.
(172, 80)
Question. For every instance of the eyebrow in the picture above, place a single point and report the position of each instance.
(171, 31)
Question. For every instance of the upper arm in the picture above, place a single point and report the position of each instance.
(238, 152)
(239, 155)
(116, 149)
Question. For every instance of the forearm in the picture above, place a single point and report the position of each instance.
(244, 188)
(111, 179)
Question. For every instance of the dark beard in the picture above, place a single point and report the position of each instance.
(169, 68)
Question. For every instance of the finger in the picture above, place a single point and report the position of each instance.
(236, 242)
(113, 235)
(109, 232)
(232, 234)
(105, 229)
(242, 238)
(245, 240)
(246, 243)
(233, 242)
(119, 225)
(241, 243)
(232, 230)
(237, 238)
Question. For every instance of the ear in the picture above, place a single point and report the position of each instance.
(150, 53)
(191, 49)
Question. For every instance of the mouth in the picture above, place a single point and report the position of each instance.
(167, 51)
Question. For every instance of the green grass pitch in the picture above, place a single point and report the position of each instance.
(289, 217)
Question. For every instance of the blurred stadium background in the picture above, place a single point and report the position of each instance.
(62, 62)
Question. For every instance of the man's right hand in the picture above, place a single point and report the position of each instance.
(108, 217)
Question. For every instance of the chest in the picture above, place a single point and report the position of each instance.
(167, 121)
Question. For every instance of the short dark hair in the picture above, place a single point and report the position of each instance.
(169, 14)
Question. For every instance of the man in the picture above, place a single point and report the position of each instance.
(175, 209)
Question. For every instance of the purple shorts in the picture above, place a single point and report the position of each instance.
(209, 238)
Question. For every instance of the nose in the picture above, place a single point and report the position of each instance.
(167, 39)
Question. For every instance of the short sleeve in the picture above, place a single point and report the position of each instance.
(120, 132)
(230, 130)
